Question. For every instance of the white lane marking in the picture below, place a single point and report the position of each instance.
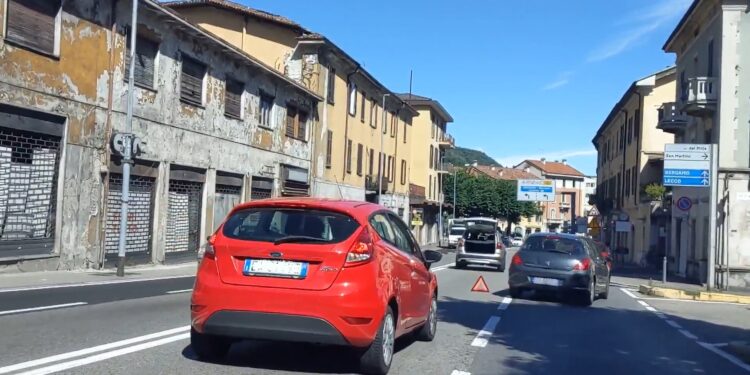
(42, 308)
(179, 291)
(673, 324)
(649, 308)
(629, 293)
(443, 267)
(107, 355)
(505, 303)
(720, 344)
(726, 356)
(92, 283)
(94, 349)
(644, 304)
(688, 334)
(482, 337)
(457, 372)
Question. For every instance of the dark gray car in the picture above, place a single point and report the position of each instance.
(561, 263)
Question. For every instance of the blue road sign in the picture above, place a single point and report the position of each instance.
(536, 189)
(686, 181)
(687, 173)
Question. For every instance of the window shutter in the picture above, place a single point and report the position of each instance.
(32, 23)
(145, 61)
(191, 84)
(233, 98)
(372, 161)
(302, 125)
(329, 147)
(291, 117)
(359, 159)
(349, 156)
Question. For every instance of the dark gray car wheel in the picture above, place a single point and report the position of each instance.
(605, 293)
(588, 296)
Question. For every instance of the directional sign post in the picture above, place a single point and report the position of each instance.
(695, 166)
(536, 190)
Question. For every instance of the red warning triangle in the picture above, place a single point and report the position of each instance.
(480, 286)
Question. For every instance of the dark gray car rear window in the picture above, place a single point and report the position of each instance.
(554, 243)
(271, 224)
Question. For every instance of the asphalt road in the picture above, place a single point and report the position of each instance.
(478, 333)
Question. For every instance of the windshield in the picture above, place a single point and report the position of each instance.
(457, 231)
(554, 244)
(289, 225)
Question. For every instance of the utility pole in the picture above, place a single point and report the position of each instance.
(127, 149)
(713, 202)
(441, 199)
(455, 177)
(382, 154)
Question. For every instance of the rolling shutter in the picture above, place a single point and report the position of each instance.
(233, 98)
(191, 84)
(33, 23)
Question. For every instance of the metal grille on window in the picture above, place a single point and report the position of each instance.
(28, 175)
(140, 209)
(294, 182)
(184, 216)
(225, 198)
(262, 188)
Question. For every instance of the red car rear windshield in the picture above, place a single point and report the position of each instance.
(554, 243)
(272, 224)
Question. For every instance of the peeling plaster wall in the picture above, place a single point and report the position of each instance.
(73, 85)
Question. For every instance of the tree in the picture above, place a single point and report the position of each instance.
(485, 196)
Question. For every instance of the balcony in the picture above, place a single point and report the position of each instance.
(671, 120)
(446, 141)
(371, 184)
(702, 93)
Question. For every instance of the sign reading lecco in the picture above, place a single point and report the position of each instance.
(536, 191)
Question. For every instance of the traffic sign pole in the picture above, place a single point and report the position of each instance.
(712, 245)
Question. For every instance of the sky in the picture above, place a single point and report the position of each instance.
(522, 79)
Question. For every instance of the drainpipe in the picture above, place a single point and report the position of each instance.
(109, 127)
(624, 143)
(381, 164)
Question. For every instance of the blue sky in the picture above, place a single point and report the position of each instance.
(522, 79)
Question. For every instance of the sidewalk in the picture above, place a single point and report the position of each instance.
(633, 276)
(42, 279)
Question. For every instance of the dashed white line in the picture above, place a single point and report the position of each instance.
(458, 372)
(644, 304)
(725, 355)
(505, 303)
(91, 350)
(482, 337)
(179, 291)
(107, 355)
(688, 334)
(673, 324)
(42, 308)
(629, 293)
(649, 308)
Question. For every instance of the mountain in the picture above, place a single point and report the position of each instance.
(460, 156)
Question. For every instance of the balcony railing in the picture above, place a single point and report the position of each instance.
(702, 94)
(671, 120)
(446, 140)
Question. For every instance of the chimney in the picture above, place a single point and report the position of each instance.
(544, 160)
(565, 161)
(527, 169)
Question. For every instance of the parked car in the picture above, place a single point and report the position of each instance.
(562, 263)
(516, 241)
(481, 245)
(604, 252)
(455, 234)
(318, 271)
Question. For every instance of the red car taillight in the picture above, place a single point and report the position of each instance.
(517, 261)
(210, 252)
(582, 265)
(361, 251)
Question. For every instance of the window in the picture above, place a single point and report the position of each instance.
(291, 121)
(261, 188)
(268, 224)
(302, 118)
(191, 81)
(380, 164)
(331, 84)
(372, 161)
(401, 235)
(266, 109)
(432, 166)
(233, 98)
(359, 159)
(403, 172)
(373, 113)
(710, 62)
(390, 168)
(405, 128)
(634, 177)
(637, 123)
(385, 121)
(34, 24)
(348, 156)
(627, 183)
(362, 108)
(382, 226)
(394, 124)
(352, 99)
(429, 191)
(329, 148)
(565, 183)
(145, 61)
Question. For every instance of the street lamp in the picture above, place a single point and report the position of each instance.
(382, 155)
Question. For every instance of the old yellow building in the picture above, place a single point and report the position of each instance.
(426, 161)
(360, 122)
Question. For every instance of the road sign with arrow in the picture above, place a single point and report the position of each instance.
(687, 165)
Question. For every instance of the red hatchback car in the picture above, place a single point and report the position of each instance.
(318, 271)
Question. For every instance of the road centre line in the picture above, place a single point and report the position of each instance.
(179, 291)
(42, 308)
(725, 355)
(458, 372)
(94, 349)
(688, 334)
(106, 355)
(630, 294)
(92, 283)
(673, 324)
(443, 267)
(505, 303)
(482, 337)
(642, 303)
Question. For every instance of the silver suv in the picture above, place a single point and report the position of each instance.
(481, 245)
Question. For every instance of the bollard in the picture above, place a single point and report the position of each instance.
(664, 270)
